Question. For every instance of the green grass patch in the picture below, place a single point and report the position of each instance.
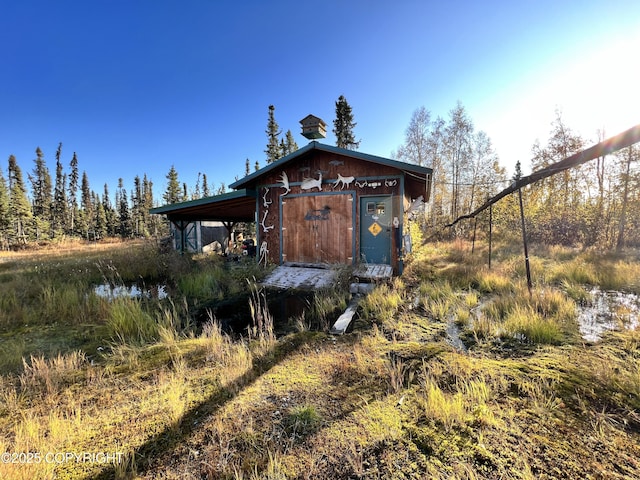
(382, 304)
(527, 325)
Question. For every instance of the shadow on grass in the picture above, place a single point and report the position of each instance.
(173, 435)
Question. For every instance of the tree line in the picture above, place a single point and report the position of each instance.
(64, 205)
(595, 204)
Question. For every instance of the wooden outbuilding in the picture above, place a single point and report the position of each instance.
(320, 205)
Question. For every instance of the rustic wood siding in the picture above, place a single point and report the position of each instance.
(317, 228)
(334, 240)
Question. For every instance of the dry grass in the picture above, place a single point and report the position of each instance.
(46, 376)
(391, 400)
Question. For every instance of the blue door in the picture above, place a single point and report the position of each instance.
(375, 229)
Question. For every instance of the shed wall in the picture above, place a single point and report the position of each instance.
(301, 239)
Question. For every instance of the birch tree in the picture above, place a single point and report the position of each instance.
(415, 148)
(458, 146)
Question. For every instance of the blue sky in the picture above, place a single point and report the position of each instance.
(139, 85)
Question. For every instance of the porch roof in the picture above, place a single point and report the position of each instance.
(236, 206)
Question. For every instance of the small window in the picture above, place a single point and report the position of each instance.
(380, 208)
(371, 208)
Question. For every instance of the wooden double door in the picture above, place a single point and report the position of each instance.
(318, 228)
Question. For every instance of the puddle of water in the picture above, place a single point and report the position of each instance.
(608, 311)
(111, 292)
(453, 336)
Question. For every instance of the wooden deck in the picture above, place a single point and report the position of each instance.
(373, 272)
(311, 277)
(302, 278)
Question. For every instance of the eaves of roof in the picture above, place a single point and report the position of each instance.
(251, 179)
(238, 205)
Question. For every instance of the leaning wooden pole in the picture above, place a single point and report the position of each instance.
(524, 242)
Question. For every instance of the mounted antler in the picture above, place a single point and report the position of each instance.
(309, 183)
(284, 179)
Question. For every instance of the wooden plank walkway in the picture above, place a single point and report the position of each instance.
(344, 320)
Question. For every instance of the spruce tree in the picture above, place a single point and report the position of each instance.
(344, 125)
(19, 207)
(172, 193)
(289, 145)
(274, 150)
(101, 220)
(206, 191)
(42, 200)
(124, 227)
(5, 219)
(517, 174)
(86, 205)
(60, 206)
(110, 213)
(73, 191)
(137, 205)
(195, 193)
(151, 222)
(142, 201)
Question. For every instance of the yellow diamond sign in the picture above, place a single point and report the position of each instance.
(375, 229)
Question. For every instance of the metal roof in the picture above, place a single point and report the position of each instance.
(250, 180)
(236, 206)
